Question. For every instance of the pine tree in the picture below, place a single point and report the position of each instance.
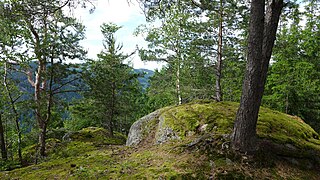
(262, 33)
(113, 84)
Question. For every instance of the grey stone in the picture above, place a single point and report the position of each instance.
(137, 129)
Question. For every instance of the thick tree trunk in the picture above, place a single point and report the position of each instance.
(244, 133)
(219, 57)
(262, 34)
(4, 155)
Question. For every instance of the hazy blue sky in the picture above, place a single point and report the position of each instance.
(121, 13)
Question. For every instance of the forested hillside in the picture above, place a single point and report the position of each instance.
(240, 54)
(24, 85)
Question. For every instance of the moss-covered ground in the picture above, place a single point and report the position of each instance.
(219, 117)
(202, 153)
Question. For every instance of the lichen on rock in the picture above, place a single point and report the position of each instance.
(165, 133)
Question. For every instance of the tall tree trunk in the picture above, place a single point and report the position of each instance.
(43, 122)
(262, 33)
(4, 154)
(39, 85)
(219, 57)
(37, 98)
(244, 132)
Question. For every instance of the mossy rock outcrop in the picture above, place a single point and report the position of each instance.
(198, 119)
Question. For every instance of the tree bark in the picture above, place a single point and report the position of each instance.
(43, 122)
(40, 86)
(262, 34)
(244, 132)
(4, 154)
(273, 12)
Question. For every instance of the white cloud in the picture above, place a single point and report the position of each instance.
(121, 13)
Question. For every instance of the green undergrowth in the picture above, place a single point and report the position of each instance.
(97, 136)
(76, 143)
(172, 160)
(203, 151)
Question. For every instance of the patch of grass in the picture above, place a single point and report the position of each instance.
(98, 136)
(29, 153)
